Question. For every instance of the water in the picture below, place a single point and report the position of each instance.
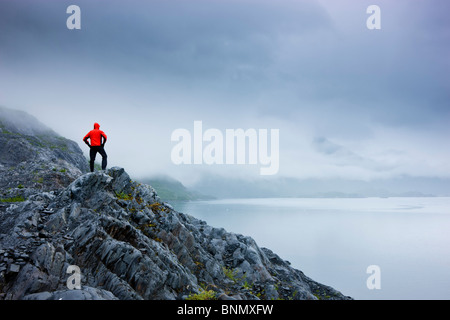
(333, 241)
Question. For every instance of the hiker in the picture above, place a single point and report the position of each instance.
(98, 140)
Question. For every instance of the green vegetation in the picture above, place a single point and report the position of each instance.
(157, 207)
(123, 196)
(322, 295)
(150, 231)
(40, 180)
(13, 199)
(230, 274)
(4, 130)
(204, 294)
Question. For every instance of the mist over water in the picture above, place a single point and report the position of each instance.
(333, 241)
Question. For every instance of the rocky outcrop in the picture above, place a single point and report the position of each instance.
(130, 245)
(35, 158)
(125, 242)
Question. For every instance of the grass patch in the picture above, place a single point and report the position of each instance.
(203, 295)
(123, 196)
(13, 199)
(157, 207)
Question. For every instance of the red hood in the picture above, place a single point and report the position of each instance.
(96, 126)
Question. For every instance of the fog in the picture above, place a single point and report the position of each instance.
(349, 102)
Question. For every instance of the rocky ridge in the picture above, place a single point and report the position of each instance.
(34, 158)
(126, 242)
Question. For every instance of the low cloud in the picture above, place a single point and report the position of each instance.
(342, 156)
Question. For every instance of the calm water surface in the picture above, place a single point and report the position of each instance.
(333, 241)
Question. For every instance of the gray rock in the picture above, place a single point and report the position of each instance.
(85, 293)
(34, 157)
(14, 268)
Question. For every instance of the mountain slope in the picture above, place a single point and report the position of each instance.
(33, 157)
(171, 189)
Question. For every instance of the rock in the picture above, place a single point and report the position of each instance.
(14, 268)
(34, 157)
(223, 296)
(128, 243)
(85, 293)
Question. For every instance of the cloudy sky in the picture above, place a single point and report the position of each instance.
(348, 101)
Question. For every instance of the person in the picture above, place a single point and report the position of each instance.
(98, 139)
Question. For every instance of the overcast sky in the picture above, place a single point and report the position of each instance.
(348, 101)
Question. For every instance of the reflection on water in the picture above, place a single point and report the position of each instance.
(333, 241)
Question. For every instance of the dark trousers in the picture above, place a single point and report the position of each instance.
(93, 153)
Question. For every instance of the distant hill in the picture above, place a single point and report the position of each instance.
(171, 189)
(280, 187)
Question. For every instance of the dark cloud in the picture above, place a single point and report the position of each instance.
(303, 65)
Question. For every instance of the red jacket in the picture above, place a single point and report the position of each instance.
(95, 136)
